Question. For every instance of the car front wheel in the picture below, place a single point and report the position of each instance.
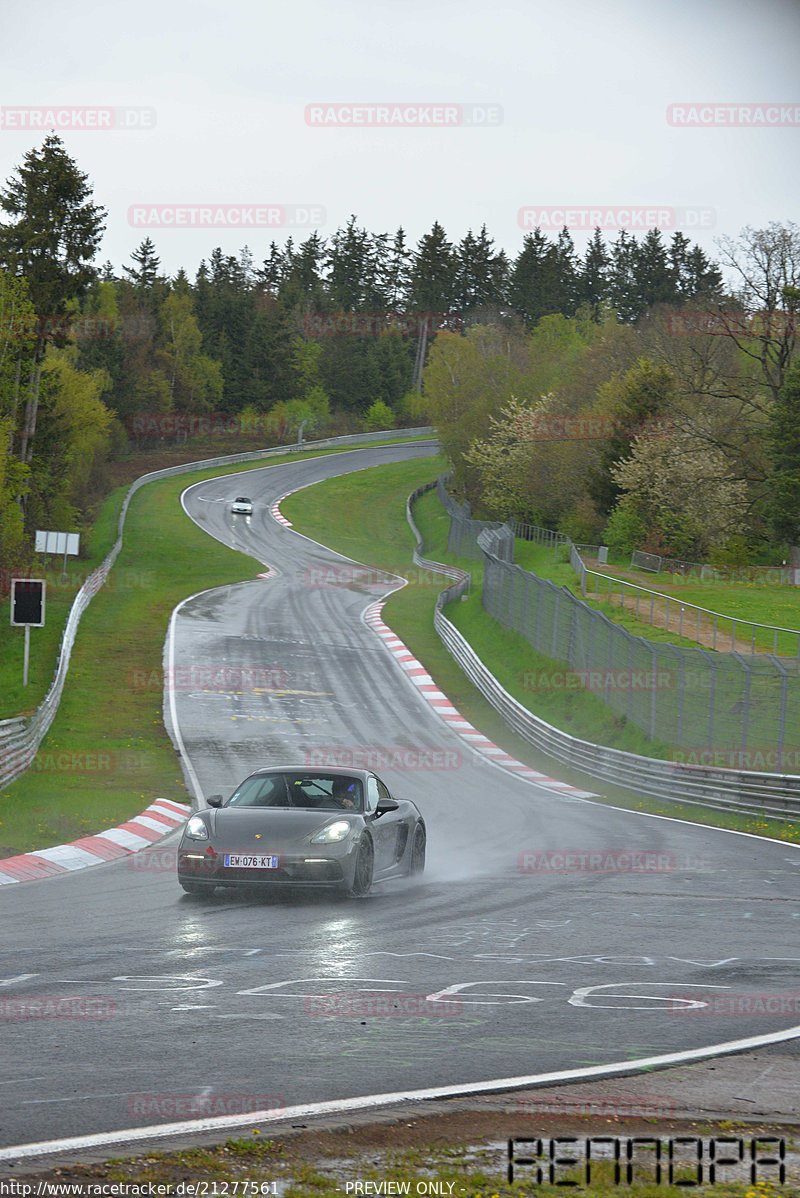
(418, 850)
(364, 867)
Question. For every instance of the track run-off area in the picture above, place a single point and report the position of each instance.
(530, 946)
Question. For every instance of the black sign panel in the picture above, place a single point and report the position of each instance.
(27, 601)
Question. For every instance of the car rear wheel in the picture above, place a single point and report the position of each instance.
(418, 850)
(362, 874)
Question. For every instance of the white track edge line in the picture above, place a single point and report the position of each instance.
(374, 1101)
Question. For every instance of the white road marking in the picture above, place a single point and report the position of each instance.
(342, 1106)
(266, 1015)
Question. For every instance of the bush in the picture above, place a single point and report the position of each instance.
(625, 529)
(378, 416)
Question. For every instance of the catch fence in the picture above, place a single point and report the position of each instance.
(716, 708)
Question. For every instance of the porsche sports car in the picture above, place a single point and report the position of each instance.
(339, 828)
(242, 506)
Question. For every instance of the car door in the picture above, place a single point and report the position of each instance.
(385, 828)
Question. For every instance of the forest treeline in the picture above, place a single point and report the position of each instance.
(622, 393)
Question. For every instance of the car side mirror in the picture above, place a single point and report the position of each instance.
(386, 805)
(214, 800)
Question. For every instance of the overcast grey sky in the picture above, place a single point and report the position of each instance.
(576, 98)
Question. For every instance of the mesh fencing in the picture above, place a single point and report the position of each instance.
(719, 709)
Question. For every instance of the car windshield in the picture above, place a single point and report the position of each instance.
(320, 791)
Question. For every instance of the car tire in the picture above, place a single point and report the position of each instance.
(418, 846)
(363, 869)
(201, 888)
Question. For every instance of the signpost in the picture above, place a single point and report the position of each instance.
(58, 542)
(27, 610)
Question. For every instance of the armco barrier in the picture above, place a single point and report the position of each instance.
(20, 739)
(746, 791)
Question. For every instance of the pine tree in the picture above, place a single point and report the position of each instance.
(147, 262)
(621, 278)
(593, 283)
(433, 277)
(482, 274)
(653, 279)
(52, 236)
(531, 276)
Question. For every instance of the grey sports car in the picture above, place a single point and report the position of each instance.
(293, 825)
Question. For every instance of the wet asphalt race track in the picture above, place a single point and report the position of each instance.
(536, 972)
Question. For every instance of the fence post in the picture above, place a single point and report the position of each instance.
(539, 615)
(782, 713)
(555, 625)
(745, 700)
(712, 694)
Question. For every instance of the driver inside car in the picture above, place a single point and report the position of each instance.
(343, 793)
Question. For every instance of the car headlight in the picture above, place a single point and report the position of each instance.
(196, 828)
(332, 833)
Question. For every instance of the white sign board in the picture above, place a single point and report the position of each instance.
(57, 542)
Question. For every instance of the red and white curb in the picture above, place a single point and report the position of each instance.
(419, 676)
(160, 818)
(275, 509)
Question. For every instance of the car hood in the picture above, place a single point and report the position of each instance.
(279, 827)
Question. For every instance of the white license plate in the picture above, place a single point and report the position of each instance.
(240, 861)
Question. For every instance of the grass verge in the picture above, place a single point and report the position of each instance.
(460, 1156)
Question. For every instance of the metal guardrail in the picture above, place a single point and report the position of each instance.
(20, 738)
(745, 791)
